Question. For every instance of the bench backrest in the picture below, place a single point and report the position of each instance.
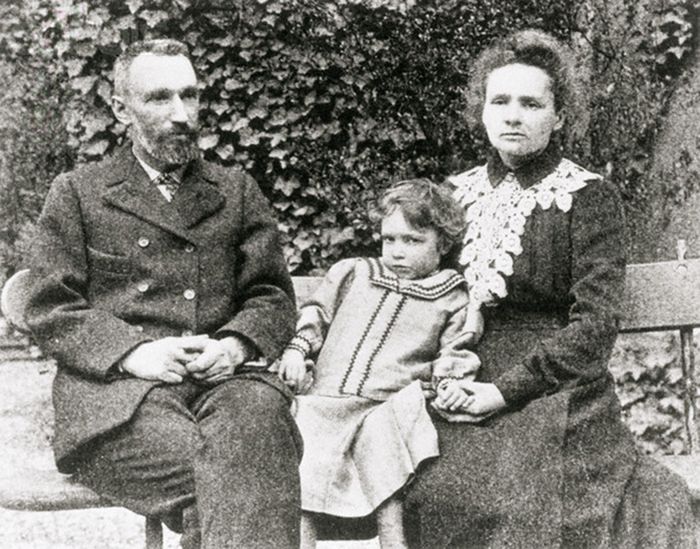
(658, 296)
(662, 296)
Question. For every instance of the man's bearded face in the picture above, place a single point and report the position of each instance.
(163, 103)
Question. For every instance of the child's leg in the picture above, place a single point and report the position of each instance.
(390, 525)
(308, 532)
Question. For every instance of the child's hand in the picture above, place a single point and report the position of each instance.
(292, 368)
(451, 397)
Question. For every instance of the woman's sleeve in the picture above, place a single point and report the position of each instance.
(579, 352)
(316, 313)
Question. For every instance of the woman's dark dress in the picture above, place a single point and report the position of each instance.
(558, 467)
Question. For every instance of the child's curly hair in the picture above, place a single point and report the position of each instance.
(426, 205)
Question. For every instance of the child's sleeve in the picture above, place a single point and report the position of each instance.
(316, 313)
(455, 361)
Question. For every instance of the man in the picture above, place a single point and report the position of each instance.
(160, 290)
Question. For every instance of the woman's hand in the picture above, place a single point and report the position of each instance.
(485, 398)
(450, 396)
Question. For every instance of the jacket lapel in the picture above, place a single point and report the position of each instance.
(197, 198)
(130, 190)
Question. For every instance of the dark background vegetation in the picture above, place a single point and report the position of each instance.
(327, 102)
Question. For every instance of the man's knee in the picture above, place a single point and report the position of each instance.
(241, 397)
(147, 464)
(248, 409)
(165, 426)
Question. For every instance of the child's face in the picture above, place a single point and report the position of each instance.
(409, 252)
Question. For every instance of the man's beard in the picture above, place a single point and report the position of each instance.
(175, 148)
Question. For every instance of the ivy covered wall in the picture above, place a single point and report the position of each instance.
(324, 102)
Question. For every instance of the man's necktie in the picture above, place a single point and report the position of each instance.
(168, 183)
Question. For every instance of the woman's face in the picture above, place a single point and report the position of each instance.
(519, 112)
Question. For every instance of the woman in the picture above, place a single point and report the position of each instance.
(552, 463)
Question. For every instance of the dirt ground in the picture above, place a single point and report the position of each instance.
(25, 413)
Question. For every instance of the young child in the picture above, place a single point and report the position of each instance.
(377, 328)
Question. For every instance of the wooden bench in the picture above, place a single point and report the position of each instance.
(659, 297)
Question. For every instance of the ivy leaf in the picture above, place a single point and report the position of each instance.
(125, 22)
(248, 137)
(677, 52)
(274, 7)
(219, 107)
(282, 205)
(74, 66)
(240, 124)
(225, 152)
(257, 112)
(303, 210)
(104, 90)
(207, 142)
(134, 5)
(215, 55)
(672, 404)
(96, 148)
(95, 123)
(304, 241)
(83, 84)
(276, 139)
(292, 256)
(674, 375)
(339, 237)
(234, 84)
(86, 48)
(286, 186)
(153, 17)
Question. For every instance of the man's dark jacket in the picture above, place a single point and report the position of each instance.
(116, 265)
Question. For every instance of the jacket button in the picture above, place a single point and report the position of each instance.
(189, 294)
(142, 287)
(139, 328)
(189, 248)
(144, 242)
(187, 333)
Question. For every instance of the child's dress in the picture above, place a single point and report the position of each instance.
(364, 421)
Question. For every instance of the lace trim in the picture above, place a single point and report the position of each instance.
(496, 220)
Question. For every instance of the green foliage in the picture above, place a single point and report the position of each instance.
(635, 58)
(649, 383)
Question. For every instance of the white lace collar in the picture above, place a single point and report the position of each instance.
(496, 219)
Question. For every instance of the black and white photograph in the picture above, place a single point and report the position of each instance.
(349, 274)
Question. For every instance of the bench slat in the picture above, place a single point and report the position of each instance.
(46, 490)
(662, 296)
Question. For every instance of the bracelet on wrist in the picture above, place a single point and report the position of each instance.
(301, 344)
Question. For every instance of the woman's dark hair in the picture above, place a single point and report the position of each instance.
(537, 49)
(425, 205)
